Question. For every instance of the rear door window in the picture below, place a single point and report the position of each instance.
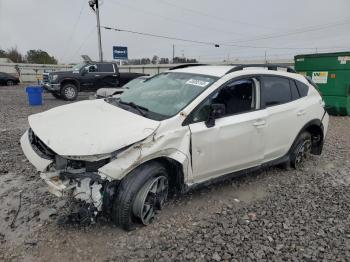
(105, 68)
(303, 89)
(275, 90)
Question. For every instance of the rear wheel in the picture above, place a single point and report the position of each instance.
(69, 92)
(9, 83)
(301, 150)
(140, 196)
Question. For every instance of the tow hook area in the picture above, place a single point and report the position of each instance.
(88, 192)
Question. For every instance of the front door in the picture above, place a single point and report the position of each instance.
(236, 141)
(88, 79)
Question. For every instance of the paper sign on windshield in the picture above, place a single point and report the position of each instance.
(196, 82)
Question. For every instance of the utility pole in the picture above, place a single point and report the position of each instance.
(95, 7)
(173, 53)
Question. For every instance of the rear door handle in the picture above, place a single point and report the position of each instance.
(97, 75)
(259, 123)
(301, 113)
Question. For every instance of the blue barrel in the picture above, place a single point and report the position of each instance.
(35, 95)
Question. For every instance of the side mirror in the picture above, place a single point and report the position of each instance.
(216, 111)
(84, 71)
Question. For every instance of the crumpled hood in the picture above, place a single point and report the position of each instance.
(90, 128)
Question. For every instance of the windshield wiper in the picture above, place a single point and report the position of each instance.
(140, 109)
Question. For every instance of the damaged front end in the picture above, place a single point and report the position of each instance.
(72, 176)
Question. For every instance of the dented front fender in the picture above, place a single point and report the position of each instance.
(173, 144)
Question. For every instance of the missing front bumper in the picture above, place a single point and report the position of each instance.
(86, 189)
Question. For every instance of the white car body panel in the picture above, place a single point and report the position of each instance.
(172, 143)
(90, 128)
(234, 143)
(281, 128)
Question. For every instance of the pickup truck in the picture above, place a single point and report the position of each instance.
(86, 77)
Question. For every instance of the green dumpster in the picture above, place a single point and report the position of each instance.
(331, 73)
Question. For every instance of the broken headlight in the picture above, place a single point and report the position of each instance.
(62, 163)
(39, 146)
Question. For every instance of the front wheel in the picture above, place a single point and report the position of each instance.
(56, 95)
(69, 92)
(140, 196)
(9, 83)
(301, 150)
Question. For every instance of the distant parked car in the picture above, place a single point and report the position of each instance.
(8, 79)
(106, 92)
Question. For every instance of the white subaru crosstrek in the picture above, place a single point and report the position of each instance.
(186, 127)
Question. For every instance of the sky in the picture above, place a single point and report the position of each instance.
(244, 29)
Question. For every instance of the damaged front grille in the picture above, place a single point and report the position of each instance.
(39, 147)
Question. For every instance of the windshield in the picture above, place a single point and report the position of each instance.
(77, 67)
(168, 93)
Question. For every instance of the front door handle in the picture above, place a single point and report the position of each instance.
(97, 75)
(301, 113)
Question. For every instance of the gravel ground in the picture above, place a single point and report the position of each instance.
(269, 215)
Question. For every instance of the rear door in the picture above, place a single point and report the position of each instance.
(285, 114)
(107, 75)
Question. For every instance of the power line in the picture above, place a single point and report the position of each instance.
(85, 39)
(294, 32)
(214, 17)
(161, 36)
(157, 15)
(70, 38)
(203, 42)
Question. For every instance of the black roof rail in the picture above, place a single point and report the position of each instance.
(186, 65)
(268, 66)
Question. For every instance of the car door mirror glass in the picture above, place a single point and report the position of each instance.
(216, 111)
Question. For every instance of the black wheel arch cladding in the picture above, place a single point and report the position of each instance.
(316, 130)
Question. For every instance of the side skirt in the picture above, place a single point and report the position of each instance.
(281, 160)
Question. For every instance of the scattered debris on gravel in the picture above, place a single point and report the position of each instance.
(271, 215)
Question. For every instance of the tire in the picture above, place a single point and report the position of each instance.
(69, 92)
(131, 191)
(301, 150)
(55, 95)
(9, 83)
